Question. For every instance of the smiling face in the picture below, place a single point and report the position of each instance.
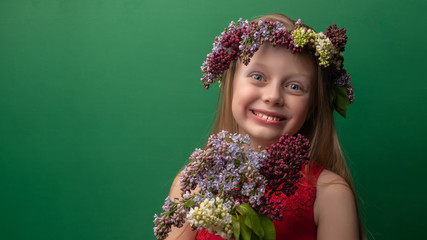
(271, 95)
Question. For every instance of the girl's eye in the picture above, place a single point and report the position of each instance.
(294, 87)
(257, 77)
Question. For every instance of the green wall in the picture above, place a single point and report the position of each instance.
(101, 105)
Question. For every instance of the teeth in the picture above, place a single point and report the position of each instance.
(270, 118)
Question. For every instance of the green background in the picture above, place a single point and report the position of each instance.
(101, 105)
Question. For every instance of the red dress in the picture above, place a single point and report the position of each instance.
(298, 216)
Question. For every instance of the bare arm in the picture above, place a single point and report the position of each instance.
(185, 232)
(335, 209)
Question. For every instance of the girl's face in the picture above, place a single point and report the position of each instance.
(271, 95)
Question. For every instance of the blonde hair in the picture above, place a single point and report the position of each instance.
(319, 128)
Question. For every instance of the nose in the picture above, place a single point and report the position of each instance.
(272, 94)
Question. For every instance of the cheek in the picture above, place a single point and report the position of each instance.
(301, 107)
(241, 100)
(233, 108)
(305, 107)
(236, 103)
(237, 97)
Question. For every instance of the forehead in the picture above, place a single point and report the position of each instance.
(280, 60)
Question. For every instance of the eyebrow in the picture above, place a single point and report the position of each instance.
(265, 66)
(260, 64)
(253, 64)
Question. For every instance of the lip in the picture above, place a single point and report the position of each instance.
(254, 112)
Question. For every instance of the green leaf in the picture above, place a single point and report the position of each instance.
(333, 97)
(251, 219)
(189, 203)
(268, 226)
(255, 237)
(245, 231)
(341, 101)
(236, 227)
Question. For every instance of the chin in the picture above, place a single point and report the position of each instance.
(264, 141)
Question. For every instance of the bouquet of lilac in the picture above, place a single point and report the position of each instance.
(228, 187)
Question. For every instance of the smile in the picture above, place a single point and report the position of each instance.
(268, 117)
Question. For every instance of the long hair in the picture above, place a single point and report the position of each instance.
(319, 128)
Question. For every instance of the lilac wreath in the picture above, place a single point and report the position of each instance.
(242, 39)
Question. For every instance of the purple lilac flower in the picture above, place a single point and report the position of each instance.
(231, 171)
(173, 216)
(166, 206)
(337, 36)
(285, 159)
(343, 78)
(350, 94)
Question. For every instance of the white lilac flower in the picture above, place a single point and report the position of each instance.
(212, 215)
(325, 50)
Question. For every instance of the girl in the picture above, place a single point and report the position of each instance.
(290, 82)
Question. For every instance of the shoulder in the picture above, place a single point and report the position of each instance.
(332, 187)
(185, 232)
(335, 210)
(330, 179)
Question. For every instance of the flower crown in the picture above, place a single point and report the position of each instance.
(243, 39)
